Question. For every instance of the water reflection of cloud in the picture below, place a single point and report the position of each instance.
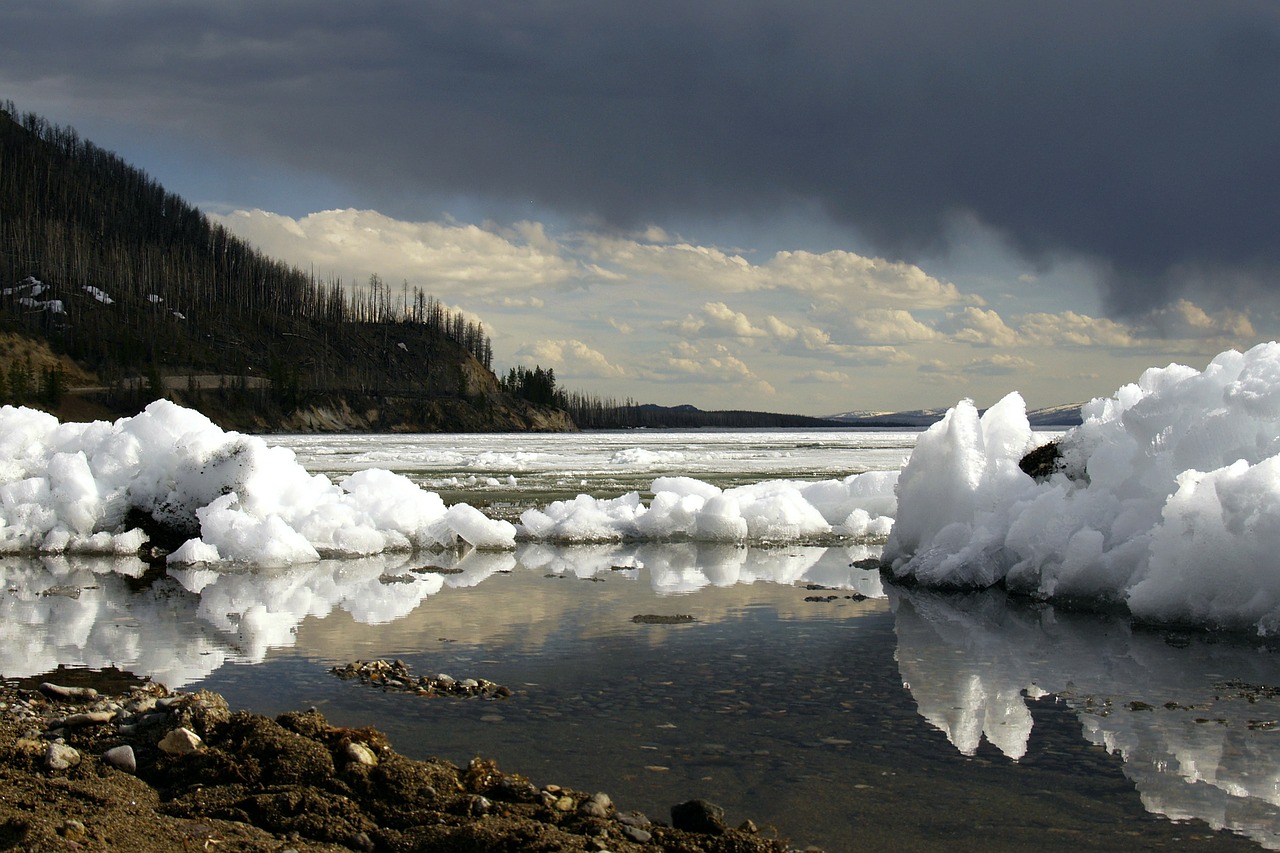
(1191, 720)
(186, 624)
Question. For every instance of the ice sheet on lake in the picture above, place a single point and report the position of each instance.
(1193, 720)
(76, 488)
(1168, 500)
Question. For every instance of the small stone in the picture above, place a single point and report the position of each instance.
(180, 741)
(88, 718)
(564, 804)
(69, 694)
(360, 754)
(632, 819)
(121, 758)
(749, 826)
(636, 834)
(73, 830)
(59, 756)
(590, 808)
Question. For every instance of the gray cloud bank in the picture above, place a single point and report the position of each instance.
(1141, 134)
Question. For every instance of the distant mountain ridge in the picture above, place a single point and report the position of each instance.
(1066, 415)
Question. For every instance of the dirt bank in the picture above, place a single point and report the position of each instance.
(146, 769)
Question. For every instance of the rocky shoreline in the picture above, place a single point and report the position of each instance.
(150, 769)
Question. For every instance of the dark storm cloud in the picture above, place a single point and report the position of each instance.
(1140, 133)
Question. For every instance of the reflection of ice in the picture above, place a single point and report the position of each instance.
(82, 612)
(185, 625)
(683, 567)
(1191, 721)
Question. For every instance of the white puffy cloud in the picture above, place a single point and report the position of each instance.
(891, 326)
(861, 280)
(716, 364)
(982, 327)
(848, 276)
(1000, 365)
(1070, 328)
(717, 319)
(1183, 319)
(571, 357)
(443, 258)
(826, 377)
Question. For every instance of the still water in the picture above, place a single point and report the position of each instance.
(796, 690)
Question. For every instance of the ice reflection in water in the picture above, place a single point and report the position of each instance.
(776, 703)
(1195, 718)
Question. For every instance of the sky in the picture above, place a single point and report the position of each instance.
(802, 206)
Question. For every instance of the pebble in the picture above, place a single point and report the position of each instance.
(85, 719)
(636, 834)
(360, 754)
(564, 804)
(70, 694)
(180, 741)
(636, 819)
(121, 758)
(597, 805)
(59, 756)
(73, 830)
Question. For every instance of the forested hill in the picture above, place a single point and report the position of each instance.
(146, 296)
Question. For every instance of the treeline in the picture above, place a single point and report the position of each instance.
(127, 278)
(23, 384)
(590, 411)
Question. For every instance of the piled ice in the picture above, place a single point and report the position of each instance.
(71, 487)
(1167, 499)
(860, 505)
(81, 488)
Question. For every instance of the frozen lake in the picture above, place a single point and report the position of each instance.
(799, 691)
(506, 472)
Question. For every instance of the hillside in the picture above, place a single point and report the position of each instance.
(135, 293)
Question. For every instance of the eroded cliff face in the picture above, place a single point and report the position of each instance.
(489, 412)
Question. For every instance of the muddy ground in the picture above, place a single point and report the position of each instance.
(146, 769)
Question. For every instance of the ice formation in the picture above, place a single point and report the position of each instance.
(79, 488)
(1167, 499)
(70, 488)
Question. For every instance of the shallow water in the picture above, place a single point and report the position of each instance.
(802, 694)
(903, 719)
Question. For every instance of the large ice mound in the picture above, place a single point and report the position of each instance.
(1166, 499)
(71, 487)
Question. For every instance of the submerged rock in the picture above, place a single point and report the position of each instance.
(660, 619)
(395, 675)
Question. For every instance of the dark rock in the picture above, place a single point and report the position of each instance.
(659, 619)
(1040, 463)
(699, 816)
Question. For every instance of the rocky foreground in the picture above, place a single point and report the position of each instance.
(153, 770)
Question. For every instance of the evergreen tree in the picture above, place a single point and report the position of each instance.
(53, 387)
